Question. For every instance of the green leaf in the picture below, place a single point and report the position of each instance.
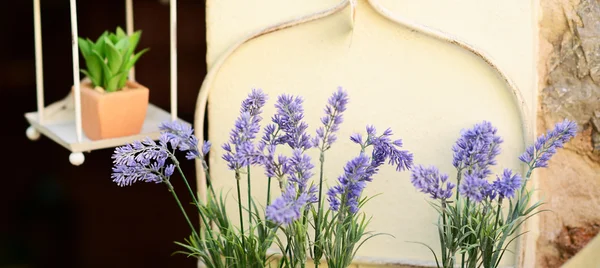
(84, 47)
(99, 45)
(114, 58)
(120, 33)
(94, 65)
(123, 46)
(133, 60)
(113, 82)
(92, 78)
(134, 39)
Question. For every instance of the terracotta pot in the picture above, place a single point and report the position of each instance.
(106, 115)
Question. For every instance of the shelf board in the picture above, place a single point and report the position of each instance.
(60, 127)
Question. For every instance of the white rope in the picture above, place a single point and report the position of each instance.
(129, 29)
(39, 70)
(173, 60)
(76, 79)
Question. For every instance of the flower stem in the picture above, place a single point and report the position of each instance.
(237, 175)
(269, 191)
(317, 246)
(172, 190)
(249, 200)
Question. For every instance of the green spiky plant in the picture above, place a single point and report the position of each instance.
(109, 59)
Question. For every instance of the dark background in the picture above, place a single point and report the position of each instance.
(54, 214)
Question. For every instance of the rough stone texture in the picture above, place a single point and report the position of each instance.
(569, 71)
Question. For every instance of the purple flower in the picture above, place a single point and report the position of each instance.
(300, 169)
(141, 161)
(332, 120)
(545, 146)
(386, 148)
(506, 185)
(169, 170)
(475, 188)
(240, 150)
(362, 168)
(289, 120)
(254, 103)
(476, 149)
(286, 208)
(206, 148)
(429, 180)
(181, 137)
(351, 184)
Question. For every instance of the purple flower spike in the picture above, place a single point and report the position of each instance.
(300, 169)
(332, 120)
(474, 187)
(429, 180)
(476, 149)
(181, 137)
(506, 185)
(141, 161)
(240, 150)
(545, 146)
(351, 184)
(286, 208)
(289, 120)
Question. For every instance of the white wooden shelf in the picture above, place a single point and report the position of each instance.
(60, 127)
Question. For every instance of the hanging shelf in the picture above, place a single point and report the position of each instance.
(61, 121)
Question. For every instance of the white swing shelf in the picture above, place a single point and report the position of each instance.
(61, 129)
(61, 121)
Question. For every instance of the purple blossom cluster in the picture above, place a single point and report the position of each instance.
(507, 184)
(287, 208)
(240, 150)
(147, 160)
(429, 180)
(181, 137)
(545, 146)
(336, 105)
(476, 188)
(362, 168)
(476, 149)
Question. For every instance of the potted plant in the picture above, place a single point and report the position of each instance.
(111, 105)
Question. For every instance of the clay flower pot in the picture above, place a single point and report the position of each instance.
(106, 115)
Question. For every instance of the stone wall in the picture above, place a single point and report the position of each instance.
(569, 71)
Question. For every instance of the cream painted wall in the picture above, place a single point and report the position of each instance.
(425, 89)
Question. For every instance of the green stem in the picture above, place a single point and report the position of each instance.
(237, 175)
(269, 191)
(317, 246)
(187, 185)
(249, 200)
(170, 187)
(208, 179)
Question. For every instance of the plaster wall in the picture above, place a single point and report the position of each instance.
(426, 90)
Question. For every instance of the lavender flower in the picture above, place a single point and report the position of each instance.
(240, 150)
(476, 149)
(545, 146)
(362, 168)
(385, 148)
(286, 208)
(507, 184)
(141, 161)
(181, 137)
(351, 184)
(300, 169)
(430, 181)
(332, 120)
(475, 188)
(289, 120)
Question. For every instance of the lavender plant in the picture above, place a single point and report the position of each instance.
(473, 229)
(338, 233)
